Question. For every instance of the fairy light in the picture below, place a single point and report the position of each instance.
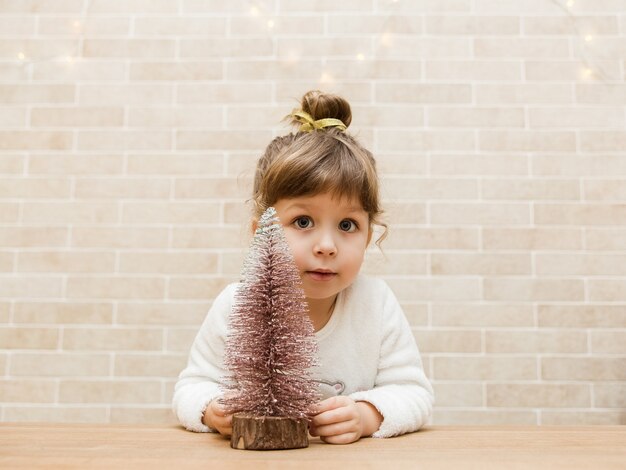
(75, 27)
(590, 66)
(386, 39)
(326, 78)
(292, 57)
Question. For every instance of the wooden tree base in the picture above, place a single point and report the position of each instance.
(268, 432)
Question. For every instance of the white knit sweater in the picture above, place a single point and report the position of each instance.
(366, 351)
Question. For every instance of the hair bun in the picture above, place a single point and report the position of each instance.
(321, 105)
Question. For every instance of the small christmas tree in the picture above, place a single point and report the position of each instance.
(270, 348)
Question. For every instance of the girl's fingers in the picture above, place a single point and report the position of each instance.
(218, 409)
(341, 438)
(328, 417)
(334, 429)
(335, 415)
(223, 421)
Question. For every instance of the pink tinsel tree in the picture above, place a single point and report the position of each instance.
(271, 345)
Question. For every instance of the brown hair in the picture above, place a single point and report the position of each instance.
(322, 160)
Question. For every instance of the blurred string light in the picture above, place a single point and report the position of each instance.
(384, 41)
(590, 68)
(75, 29)
(326, 78)
(257, 9)
(260, 10)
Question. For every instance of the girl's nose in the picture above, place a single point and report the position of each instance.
(325, 245)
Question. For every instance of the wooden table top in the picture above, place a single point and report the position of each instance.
(436, 447)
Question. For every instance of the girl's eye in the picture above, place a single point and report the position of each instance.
(303, 222)
(347, 225)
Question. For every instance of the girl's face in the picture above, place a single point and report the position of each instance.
(328, 237)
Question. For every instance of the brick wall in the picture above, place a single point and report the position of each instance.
(129, 130)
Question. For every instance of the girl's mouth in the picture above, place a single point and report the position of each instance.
(321, 275)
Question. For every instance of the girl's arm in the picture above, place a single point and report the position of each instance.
(198, 383)
(402, 394)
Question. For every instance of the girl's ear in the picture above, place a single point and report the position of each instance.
(369, 235)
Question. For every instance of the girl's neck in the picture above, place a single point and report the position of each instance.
(320, 311)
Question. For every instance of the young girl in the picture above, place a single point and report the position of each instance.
(324, 187)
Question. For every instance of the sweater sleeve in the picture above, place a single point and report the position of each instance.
(402, 393)
(199, 382)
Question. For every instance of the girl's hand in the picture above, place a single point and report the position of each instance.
(215, 417)
(341, 420)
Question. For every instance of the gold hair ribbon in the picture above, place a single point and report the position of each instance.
(309, 124)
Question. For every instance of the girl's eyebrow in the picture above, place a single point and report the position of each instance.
(306, 206)
(297, 205)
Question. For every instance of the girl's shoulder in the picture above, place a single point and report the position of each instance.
(222, 304)
(227, 295)
(375, 296)
(369, 295)
(230, 290)
(368, 288)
